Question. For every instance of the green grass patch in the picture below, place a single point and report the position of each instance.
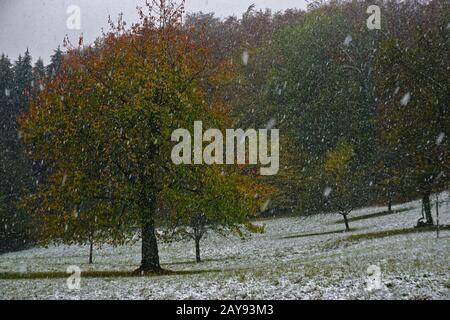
(312, 234)
(194, 263)
(276, 216)
(394, 232)
(372, 215)
(97, 274)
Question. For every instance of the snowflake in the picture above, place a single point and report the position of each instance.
(440, 138)
(327, 191)
(245, 57)
(271, 123)
(348, 40)
(405, 99)
(265, 205)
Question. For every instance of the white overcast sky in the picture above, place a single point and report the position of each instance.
(40, 25)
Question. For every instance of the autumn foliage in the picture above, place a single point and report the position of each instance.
(103, 126)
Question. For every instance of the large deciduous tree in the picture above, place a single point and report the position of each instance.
(103, 125)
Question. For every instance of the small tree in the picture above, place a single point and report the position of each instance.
(387, 176)
(217, 201)
(67, 214)
(343, 191)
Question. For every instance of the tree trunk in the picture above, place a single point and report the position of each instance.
(390, 205)
(197, 249)
(347, 227)
(150, 255)
(91, 249)
(427, 208)
(437, 216)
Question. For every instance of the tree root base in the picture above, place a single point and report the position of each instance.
(148, 271)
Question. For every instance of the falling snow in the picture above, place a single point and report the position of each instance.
(63, 182)
(440, 138)
(245, 57)
(405, 99)
(348, 40)
(271, 124)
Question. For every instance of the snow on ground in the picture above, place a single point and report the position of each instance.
(282, 263)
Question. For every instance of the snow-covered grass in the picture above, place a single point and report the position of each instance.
(282, 263)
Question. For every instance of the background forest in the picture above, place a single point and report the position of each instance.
(364, 118)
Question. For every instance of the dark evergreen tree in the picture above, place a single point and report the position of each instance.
(39, 74)
(55, 62)
(15, 169)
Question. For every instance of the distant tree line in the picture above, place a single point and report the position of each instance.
(364, 114)
(19, 81)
